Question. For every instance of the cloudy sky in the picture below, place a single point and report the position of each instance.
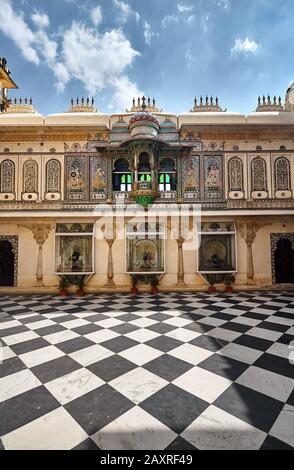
(169, 49)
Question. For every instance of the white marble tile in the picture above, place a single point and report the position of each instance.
(75, 323)
(183, 335)
(56, 430)
(222, 333)
(19, 337)
(203, 384)
(240, 353)
(39, 356)
(134, 430)
(101, 335)
(60, 336)
(90, 355)
(279, 349)
(212, 321)
(40, 324)
(142, 335)
(176, 321)
(73, 385)
(246, 321)
(138, 384)
(15, 384)
(53, 315)
(192, 354)
(143, 322)
(9, 324)
(264, 334)
(141, 354)
(273, 385)
(215, 429)
(284, 426)
(109, 323)
(5, 353)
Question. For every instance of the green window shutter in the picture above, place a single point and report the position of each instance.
(123, 179)
(129, 178)
(161, 179)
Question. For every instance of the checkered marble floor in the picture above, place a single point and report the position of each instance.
(176, 371)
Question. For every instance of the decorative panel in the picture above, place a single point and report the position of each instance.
(235, 174)
(53, 176)
(76, 178)
(30, 176)
(213, 177)
(98, 177)
(191, 177)
(258, 175)
(282, 174)
(7, 177)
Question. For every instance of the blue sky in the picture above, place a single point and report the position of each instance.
(169, 49)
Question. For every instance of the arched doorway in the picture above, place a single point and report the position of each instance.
(284, 261)
(6, 263)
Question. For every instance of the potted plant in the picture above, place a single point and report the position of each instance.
(134, 289)
(229, 280)
(62, 287)
(211, 279)
(80, 286)
(154, 284)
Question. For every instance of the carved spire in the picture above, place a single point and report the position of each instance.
(82, 107)
(207, 105)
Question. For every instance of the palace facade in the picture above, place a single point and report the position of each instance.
(191, 199)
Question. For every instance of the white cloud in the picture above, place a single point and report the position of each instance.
(99, 61)
(189, 58)
(14, 26)
(244, 47)
(224, 4)
(125, 11)
(124, 92)
(184, 8)
(96, 15)
(41, 20)
(169, 19)
(148, 33)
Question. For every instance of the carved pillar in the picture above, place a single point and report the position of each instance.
(180, 242)
(110, 273)
(40, 233)
(248, 232)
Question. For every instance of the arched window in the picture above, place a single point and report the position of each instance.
(258, 175)
(167, 175)
(144, 168)
(282, 174)
(7, 177)
(235, 173)
(53, 176)
(30, 176)
(121, 176)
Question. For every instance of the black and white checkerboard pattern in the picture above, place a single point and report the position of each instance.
(175, 371)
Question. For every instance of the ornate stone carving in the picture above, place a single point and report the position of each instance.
(282, 174)
(235, 174)
(30, 176)
(258, 175)
(7, 176)
(53, 176)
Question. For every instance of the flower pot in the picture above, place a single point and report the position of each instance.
(63, 293)
(80, 292)
(154, 291)
(229, 289)
(134, 290)
(211, 290)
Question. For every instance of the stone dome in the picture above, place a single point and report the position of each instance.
(144, 123)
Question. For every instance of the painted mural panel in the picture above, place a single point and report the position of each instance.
(98, 177)
(213, 177)
(76, 178)
(191, 179)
